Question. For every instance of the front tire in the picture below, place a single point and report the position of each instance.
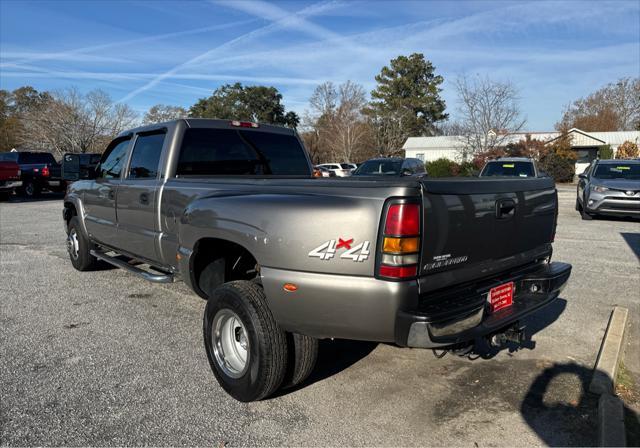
(246, 348)
(79, 246)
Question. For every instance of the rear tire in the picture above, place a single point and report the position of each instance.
(31, 190)
(79, 246)
(303, 354)
(246, 348)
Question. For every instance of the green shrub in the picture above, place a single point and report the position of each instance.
(605, 152)
(561, 169)
(467, 169)
(441, 168)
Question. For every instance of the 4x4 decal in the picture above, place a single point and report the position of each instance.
(328, 249)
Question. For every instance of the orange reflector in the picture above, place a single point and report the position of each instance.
(401, 245)
(178, 257)
(290, 287)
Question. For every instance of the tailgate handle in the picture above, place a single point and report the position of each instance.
(505, 208)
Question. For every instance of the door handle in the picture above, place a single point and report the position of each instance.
(144, 198)
(505, 208)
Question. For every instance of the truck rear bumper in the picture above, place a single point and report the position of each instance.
(431, 326)
(365, 308)
(9, 185)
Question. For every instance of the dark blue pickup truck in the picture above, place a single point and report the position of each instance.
(39, 171)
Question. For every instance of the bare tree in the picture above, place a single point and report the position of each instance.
(163, 112)
(388, 135)
(489, 112)
(342, 132)
(614, 107)
(72, 122)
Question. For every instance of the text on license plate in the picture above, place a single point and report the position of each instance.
(501, 296)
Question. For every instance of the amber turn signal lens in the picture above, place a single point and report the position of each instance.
(401, 245)
(290, 287)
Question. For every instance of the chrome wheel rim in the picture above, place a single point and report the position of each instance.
(73, 245)
(29, 189)
(230, 343)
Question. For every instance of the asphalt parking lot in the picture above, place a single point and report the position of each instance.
(104, 358)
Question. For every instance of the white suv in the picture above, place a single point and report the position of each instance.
(341, 169)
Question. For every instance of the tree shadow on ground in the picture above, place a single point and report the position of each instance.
(546, 410)
(633, 240)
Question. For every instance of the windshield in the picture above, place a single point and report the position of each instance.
(618, 171)
(379, 168)
(520, 169)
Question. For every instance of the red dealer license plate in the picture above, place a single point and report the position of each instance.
(501, 296)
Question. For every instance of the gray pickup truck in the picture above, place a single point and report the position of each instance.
(285, 259)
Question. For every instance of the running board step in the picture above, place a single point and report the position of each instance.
(155, 278)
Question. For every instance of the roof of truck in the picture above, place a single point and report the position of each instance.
(617, 161)
(212, 124)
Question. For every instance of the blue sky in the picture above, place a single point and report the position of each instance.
(149, 52)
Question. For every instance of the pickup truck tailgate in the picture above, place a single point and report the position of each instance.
(473, 228)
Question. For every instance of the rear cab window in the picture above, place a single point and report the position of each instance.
(236, 152)
(9, 157)
(506, 168)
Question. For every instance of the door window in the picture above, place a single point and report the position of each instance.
(145, 158)
(113, 159)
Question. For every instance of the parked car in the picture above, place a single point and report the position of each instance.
(512, 167)
(79, 166)
(609, 187)
(340, 169)
(39, 171)
(321, 171)
(9, 179)
(391, 167)
(231, 208)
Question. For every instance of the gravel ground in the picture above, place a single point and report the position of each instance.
(104, 358)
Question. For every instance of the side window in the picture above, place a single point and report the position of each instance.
(113, 159)
(146, 156)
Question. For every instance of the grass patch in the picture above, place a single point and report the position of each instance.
(627, 390)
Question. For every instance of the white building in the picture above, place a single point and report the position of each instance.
(586, 144)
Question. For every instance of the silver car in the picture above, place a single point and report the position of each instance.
(609, 187)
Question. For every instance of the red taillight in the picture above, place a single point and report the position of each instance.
(398, 271)
(244, 124)
(403, 220)
(45, 171)
(400, 246)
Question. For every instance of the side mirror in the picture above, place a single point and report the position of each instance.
(406, 172)
(582, 176)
